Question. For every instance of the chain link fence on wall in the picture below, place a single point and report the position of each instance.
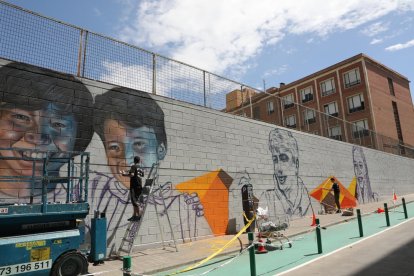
(35, 39)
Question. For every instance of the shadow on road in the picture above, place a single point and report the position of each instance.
(397, 262)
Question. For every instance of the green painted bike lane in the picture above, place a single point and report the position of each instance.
(304, 247)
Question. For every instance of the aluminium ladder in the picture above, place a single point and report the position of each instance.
(133, 227)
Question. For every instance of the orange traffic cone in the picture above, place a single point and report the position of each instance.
(261, 249)
(313, 220)
(379, 211)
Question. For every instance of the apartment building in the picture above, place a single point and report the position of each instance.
(357, 100)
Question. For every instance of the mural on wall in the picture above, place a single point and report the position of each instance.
(127, 127)
(291, 193)
(213, 192)
(42, 113)
(130, 125)
(364, 193)
(43, 110)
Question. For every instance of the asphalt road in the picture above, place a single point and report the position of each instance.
(390, 253)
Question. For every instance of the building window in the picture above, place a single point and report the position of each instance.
(288, 101)
(256, 112)
(306, 94)
(290, 121)
(335, 133)
(356, 103)
(331, 109)
(309, 116)
(391, 86)
(270, 108)
(360, 129)
(328, 87)
(352, 78)
(397, 121)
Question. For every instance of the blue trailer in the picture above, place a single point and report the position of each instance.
(41, 234)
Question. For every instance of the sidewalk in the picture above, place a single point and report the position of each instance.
(155, 260)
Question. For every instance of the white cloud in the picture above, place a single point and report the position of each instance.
(400, 46)
(375, 29)
(216, 35)
(310, 40)
(376, 41)
(276, 72)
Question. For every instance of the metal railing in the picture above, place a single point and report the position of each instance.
(37, 172)
(38, 40)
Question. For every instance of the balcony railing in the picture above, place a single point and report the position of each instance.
(310, 121)
(307, 98)
(350, 84)
(288, 105)
(360, 133)
(359, 108)
(336, 137)
(328, 92)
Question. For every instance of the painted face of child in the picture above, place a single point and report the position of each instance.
(123, 143)
(23, 131)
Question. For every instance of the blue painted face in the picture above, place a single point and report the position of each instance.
(45, 129)
(123, 143)
(141, 142)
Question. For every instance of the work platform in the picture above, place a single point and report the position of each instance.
(44, 201)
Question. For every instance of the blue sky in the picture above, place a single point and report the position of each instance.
(251, 41)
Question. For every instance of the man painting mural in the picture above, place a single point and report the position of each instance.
(289, 189)
(364, 192)
(39, 114)
(130, 125)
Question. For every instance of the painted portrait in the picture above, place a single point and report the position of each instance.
(41, 116)
(364, 192)
(292, 195)
(131, 123)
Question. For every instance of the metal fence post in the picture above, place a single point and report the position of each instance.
(251, 255)
(405, 208)
(154, 74)
(387, 217)
(204, 87)
(318, 236)
(361, 231)
(85, 44)
(79, 53)
(126, 265)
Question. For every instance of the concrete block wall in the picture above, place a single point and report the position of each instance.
(206, 160)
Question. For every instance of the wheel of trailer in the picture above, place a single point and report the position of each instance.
(69, 264)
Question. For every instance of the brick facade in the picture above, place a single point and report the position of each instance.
(355, 90)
